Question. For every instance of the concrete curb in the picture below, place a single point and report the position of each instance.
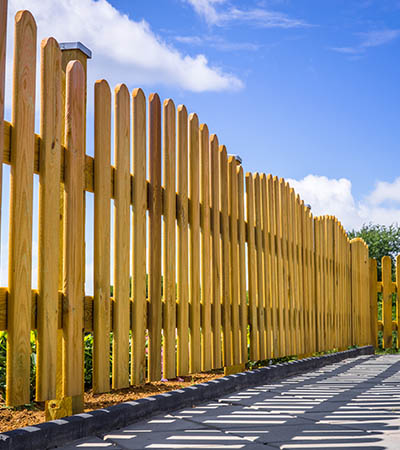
(59, 432)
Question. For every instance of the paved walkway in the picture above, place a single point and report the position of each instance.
(351, 404)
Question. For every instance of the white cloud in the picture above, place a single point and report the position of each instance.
(220, 12)
(124, 50)
(334, 197)
(370, 39)
(385, 192)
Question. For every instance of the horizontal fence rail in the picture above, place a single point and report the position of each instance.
(212, 267)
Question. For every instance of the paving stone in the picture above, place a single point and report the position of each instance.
(351, 404)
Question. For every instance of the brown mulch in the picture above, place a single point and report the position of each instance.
(17, 417)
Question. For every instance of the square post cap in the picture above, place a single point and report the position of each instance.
(76, 46)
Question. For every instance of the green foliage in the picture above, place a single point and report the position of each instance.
(3, 359)
(382, 240)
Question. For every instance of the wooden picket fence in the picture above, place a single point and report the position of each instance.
(222, 267)
(385, 303)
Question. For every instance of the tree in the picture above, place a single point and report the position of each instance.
(382, 240)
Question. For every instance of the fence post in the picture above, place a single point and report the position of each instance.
(69, 51)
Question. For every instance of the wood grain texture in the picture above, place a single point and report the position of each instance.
(267, 266)
(295, 332)
(242, 268)
(216, 252)
(122, 194)
(194, 221)
(226, 298)
(280, 267)
(49, 221)
(311, 277)
(260, 269)
(139, 241)
(3, 39)
(74, 231)
(101, 241)
(169, 232)
(301, 313)
(182, 213)
(271, 200)
(206, 283)
(154, 247)
(234, 257)
(21, 194)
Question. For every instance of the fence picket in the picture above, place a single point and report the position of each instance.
(154, 247)
(21, 188)
(216, 252)
(122, 200)
(226, 299)
(73, 307)
(267, 258)
(234, 257)
(49, 206)
(206, 285)
(3, 39)
(169, 232)
(194, 220)
(387, 301)
(260, 270)
(252, 267)
(182, 250)
(242, 269)
(101, 242)
(139, 267)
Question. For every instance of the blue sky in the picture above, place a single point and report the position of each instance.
(304, 89)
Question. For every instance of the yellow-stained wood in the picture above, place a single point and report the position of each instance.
(139, 246)
(242, 269)
(101, 241)
(183, 255)
(120, 360)
(74, 231)
(283, 207)
(387, 301)
(49, 206)
(234, 257)
(3, 38)
(154, 247)
(226, 300)
(169, 232)
(252, 268)
(354, 288)
(206, 284)
(302, 312)
(194, 222)
(267, 266)
(260, 269)
(271, 206)
(280, 268)
(21, 189)
(216, 252)
(310, 340)
(291, 269)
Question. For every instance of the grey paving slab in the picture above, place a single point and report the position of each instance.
(351, 404)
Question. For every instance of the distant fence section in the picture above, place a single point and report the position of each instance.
(385, 303)
(212, 267)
